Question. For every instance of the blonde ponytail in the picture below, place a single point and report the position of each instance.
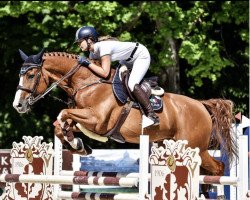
(107, 38)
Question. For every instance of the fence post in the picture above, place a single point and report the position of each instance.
(144, 165)
(57, 164)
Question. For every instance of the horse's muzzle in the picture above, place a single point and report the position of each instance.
(21, 106)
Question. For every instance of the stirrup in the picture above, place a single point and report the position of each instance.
(156, 122)
(154, 118)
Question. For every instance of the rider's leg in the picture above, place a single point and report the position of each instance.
(139, 69)
(142, 98)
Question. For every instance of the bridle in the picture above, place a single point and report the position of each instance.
(26, 67)
(32, 98)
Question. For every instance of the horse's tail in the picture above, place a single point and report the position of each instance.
(221, 112)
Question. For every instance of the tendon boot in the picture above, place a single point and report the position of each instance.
(143, 100)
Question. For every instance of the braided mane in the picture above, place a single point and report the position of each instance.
(67, 55)
(63, 54)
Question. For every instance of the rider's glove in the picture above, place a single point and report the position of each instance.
(83, 61)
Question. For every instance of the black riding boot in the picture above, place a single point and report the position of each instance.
(143, 100)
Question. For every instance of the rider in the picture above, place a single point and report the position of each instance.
(133, 55)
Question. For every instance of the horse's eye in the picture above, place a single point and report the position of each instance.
(31, 76)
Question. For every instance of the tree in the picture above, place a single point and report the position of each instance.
(199, 49)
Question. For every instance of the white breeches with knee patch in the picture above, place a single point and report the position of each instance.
(139, 64)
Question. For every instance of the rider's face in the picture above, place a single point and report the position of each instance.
(83, 45)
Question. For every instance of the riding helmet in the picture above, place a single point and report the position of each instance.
(86, 32)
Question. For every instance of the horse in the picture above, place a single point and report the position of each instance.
(200, 122)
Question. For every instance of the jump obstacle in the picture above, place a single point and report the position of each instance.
(238, 181)
(141, 183)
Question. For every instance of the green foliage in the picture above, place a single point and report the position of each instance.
(205, 57)
(208, 42)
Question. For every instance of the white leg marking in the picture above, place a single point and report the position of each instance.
(59, 118)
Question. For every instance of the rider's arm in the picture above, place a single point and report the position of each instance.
(104, 69)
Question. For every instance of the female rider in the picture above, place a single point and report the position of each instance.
(133, 55)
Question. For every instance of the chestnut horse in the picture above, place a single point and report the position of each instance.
(97, 109)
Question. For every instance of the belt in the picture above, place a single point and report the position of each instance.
(133, 52)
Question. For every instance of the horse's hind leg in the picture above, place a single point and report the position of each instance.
(212, 165)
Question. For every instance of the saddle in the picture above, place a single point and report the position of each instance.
(149, 85)
(123, 94)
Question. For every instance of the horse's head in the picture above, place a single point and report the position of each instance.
(38, 71)
(32, 81)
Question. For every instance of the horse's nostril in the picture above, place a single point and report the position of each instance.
(19, 105)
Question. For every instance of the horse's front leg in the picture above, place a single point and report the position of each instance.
(59, 132)
(67, 120)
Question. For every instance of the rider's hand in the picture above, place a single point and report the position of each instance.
(83, 61)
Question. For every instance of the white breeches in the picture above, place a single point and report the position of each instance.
(139, 66)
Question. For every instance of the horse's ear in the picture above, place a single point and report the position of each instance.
(23, 55)
(39, 56)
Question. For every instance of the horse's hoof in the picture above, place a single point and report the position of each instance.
(88, 149)
(118, 138)
(81, 149)
(80, 145)
(67, 145)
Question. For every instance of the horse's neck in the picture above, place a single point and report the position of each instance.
(59, 62)
(58, 66)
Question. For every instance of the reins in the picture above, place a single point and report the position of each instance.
(90, 84)
(33, 100)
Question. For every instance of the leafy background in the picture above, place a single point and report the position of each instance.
(199, 49)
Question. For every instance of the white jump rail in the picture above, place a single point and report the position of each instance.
(141, 177)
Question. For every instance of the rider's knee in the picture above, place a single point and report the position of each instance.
(131, 85)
